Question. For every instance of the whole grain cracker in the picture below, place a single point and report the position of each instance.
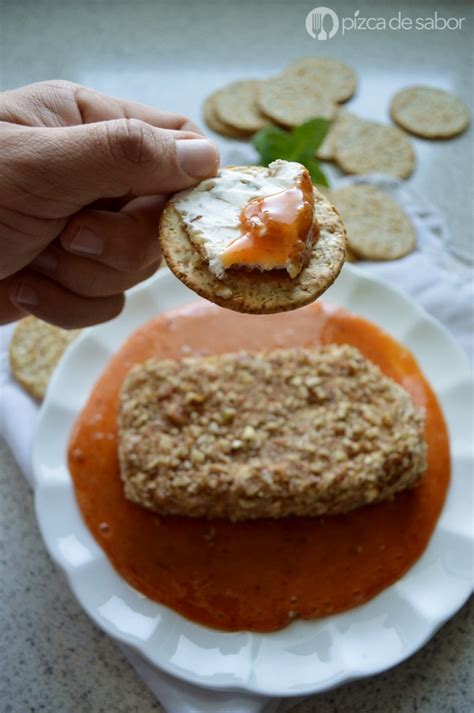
(215, 123)
(377, 227)
(371, 147)
(428, 112)
(35, 349)
(236, 105)
(327, 150)
(254, 291)
(290, 100)
(335, 78)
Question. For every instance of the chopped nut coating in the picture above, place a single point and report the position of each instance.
(299, 431)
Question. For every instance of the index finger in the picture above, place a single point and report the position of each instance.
(95, 106)
(58, 102)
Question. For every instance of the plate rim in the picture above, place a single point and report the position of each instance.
(247, 686)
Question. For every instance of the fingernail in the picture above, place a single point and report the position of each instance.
(198, 157)
(85, 242)
(26, 295)
(46, 261)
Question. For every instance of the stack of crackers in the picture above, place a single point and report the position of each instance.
(316, 87)
(378, 229)
(307, 88)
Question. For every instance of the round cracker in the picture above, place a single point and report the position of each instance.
(291, 100)
(377, 227)
(236, 105)
(428, 112)
(371, 147)
(335, 78)
(216, 124)
(327, 149)
(35, 349)
(253, 291)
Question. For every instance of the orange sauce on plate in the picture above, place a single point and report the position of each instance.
(274, 228)
(255, 575)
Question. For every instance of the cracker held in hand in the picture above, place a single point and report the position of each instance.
(298, 431)
(291, 100)
(369, 147)
(332, 76)
(428, 112)
(377, 228)
(230, 240)
(35, 349)
(236, 105)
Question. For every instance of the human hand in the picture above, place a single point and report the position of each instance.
(83, 179)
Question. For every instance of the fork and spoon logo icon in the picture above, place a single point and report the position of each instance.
(317, 28)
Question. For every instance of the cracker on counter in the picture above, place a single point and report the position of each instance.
(429, 112)
(290, 100)
(35, 349)
(236, 105)
(335, 78)
(297, 431)
(342, 120)
(377, 227)
(253, 291)
(372, 147)
(215, 123)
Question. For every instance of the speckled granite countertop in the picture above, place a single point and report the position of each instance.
(52, 658)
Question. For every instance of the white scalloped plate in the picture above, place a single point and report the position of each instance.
(307, 656)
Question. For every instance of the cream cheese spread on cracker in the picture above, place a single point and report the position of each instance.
(211, 212)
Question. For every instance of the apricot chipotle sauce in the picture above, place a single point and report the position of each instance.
(275, 229)
(255, 575)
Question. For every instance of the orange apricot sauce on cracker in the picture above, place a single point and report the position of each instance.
(276, 230)
(256, 575)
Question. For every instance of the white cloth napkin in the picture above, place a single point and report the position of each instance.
(438, 282)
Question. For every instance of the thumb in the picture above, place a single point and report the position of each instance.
(121, 156)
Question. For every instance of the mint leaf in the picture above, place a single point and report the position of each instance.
(271, 143)
(317, 176)
(299, 145)
(307, 138)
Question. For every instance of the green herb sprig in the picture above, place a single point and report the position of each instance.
(299, 145)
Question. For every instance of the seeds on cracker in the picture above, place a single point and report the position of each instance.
(428, 112)
(236, 105)
(371, 147)
(377, 227)
(332, 76)
(215, 123)
(35, 349)
(298, 431)
(291, 100)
